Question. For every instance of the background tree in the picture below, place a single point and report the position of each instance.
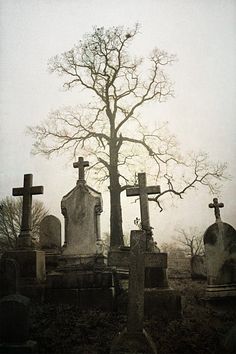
(10, 220)
(108, 127)
(191, 241)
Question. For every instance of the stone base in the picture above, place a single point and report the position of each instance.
(92, 260)
(29, 347)
(31, 263)
(133, 342)
(86, 299)
(165, 303)
(51, 260)
(221, 291)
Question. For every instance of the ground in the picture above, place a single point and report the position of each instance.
(63, 329)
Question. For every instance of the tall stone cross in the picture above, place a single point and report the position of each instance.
(81, 164)
(217, 207)
(27, 191)
(142, 190)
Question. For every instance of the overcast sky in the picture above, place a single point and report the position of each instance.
(202, 115)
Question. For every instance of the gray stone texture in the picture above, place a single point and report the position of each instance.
(81, 208)
(50, 233)
(198, 267)
(9, 277)
(220, 248)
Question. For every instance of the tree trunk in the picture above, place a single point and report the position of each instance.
(116, 231)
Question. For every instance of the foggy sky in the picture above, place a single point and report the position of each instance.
(202, 114)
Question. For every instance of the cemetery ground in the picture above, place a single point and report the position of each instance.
(63, 329)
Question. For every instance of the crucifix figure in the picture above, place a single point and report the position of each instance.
(27, 191)
(142, 190)
(217, 207)
(81, 164)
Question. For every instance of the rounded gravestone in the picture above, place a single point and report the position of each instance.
(50, 233)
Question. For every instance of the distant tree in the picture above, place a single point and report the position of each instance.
(109, 127)
(10, 220)
(191, 241)
(173, 249)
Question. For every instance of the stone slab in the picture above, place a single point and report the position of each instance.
(118, 258)
(50, 233)
(80, 279)
(86, 299)
(29, 347)
(31, 263)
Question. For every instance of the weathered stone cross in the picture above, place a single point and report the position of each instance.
(81, 164)
(217, 207)
(142, 190)
(27, 191)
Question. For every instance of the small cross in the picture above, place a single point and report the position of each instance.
(217, 207)
(27, 191)
(81, 164)
(142, 190)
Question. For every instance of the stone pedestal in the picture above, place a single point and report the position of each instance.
(32, 272)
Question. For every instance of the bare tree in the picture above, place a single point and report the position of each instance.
(191, 241)
(10, 220)
(108, 127)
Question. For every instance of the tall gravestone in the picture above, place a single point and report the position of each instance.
(159, 297)
(81, 208)
(134, 338)
(220, 249)
(31, 261)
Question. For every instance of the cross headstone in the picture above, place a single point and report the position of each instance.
(81, 164)
(142, 190)
(217, 207)
(27, 191)
(134, 339)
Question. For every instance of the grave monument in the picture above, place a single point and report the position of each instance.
(31, 261)
(220, 249)
(158, 296)
(82, 276)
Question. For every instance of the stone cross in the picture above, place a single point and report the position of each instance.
(81, 164)
(27, 191)
(142, 190)
(217, 207)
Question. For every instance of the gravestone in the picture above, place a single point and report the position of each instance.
(14, 326)
(9, 277)
(220, 250)
(31, 261)
(159, 297)
(198, 267)
(81, 208)
(50, 240)
(134, 339)
(50, 233)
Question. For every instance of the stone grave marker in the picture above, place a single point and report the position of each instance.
(220, 249)
(27, 191)
(50, 233)
(142, 190)
(134, 339)
(198, 267)
(31, 261)
(14, 326)
(9, 277)
(81, 208)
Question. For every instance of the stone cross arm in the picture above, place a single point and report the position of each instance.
(16, 192)
(81, 164)
(217, 207)
(135, 191)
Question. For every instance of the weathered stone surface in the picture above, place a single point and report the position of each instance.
(31, 263)
(14, 319)
(50, 233)
(220, 249)
(9, 277)
(198, 267)
(81, 208)
(117, 258)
